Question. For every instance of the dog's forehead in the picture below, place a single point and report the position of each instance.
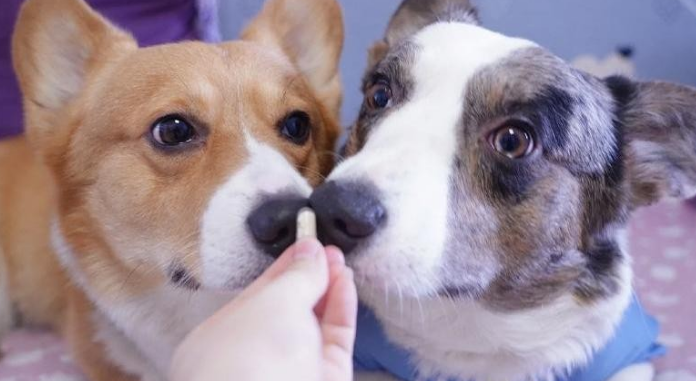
(452, 53)
(487, 75)
(214, 84)
(192, 62)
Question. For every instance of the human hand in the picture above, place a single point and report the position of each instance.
(295, 322)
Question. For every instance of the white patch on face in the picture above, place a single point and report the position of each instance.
(463, 339)
(229, 256)
(409, 156)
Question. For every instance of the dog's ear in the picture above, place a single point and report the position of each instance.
(414, 15)
(659, 132)
(56, 46)
(310, 33)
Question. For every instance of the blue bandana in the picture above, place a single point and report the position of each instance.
(634, 342)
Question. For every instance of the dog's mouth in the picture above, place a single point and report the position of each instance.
(376, 275)
(180, 277)
(183, 278)
(374, 285)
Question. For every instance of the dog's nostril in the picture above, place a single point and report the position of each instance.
(272, 237)
(282, 234)
(340, 225)
(347, 213)
(273, 223)
(358, 225)
(378, 215)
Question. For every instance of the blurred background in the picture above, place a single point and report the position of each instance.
(645, 39)
(649, 39)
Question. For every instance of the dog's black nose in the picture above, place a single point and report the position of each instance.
(346, 213)
(273, 223)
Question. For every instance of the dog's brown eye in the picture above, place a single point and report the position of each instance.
(512, 142)
(172, 131)
(296, 127)
(379, 96)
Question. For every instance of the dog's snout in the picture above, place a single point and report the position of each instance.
(347, 213)
(273, 223)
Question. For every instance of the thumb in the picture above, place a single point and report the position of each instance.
(306, 278)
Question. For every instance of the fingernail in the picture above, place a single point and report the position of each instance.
(307, 249)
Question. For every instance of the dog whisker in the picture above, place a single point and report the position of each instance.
(419, 302)
(312, 171)
(401, 299)
(386, 294)
(339, 158)
(130, 274)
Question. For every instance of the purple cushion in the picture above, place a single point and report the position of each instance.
(10, 103)
(150, 21)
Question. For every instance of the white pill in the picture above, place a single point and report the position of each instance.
(306, 224)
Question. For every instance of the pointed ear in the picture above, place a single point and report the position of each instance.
(56, 45)
(310, 33)
(659, 123)
(414, 15)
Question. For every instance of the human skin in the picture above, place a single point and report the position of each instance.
(295, 322)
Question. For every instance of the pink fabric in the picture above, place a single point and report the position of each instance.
(663, 245)
(37, 356)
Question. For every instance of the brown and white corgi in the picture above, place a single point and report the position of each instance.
(139, 201)
(484, 201)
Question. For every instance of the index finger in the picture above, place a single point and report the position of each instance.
(281, 264)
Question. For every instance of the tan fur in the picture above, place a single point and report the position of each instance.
(80, 332)
(376, 53)
(26, 199)
(126, 209)
(274, 23)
